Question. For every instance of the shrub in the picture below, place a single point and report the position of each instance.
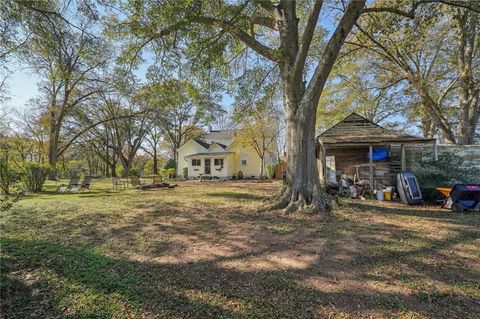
(170, 164)
(148, 167)
(185, 172)
(167, 172)
(8, 176)
(119, 170)
(134, 171)
(34, 175)
(270, 171)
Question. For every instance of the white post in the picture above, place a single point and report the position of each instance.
(435, 151)
(403, 160)
(323, 159)
(370, 166)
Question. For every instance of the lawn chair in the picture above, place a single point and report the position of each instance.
(87, 181)
(157, 180)
(117, 182)
(74, 182)
(136, 182)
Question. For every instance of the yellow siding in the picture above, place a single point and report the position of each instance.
(253, 160)
(190, 147)
(231, 163)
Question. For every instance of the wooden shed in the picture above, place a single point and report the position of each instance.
(348, 148)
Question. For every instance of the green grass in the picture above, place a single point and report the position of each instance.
(202, 251)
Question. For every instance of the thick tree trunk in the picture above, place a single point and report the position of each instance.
(303, 190)
(155, 161)
(262, 160)
(126, 169)
(433, 110)
(303, 184)
(53, 143)
(113, 167)
(469, 109)
(469, 118)
(428, 128)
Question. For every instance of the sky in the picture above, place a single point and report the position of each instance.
(21, 86)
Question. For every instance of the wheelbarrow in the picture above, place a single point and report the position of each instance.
(463, 197)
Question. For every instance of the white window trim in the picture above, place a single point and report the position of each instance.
(244, 157)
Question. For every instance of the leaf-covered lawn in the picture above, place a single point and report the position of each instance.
(201, 251)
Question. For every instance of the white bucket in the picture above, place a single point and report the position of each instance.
(379, 195)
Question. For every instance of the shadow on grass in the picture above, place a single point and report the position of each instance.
(417, 211)
(201, 289)
(235, 195)
(84, 282)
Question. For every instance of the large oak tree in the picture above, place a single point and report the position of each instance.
(282, 32)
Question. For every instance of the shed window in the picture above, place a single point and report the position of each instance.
(218, 161)
(196, 162)
(244, 159)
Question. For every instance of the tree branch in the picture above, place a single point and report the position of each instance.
(248, 40)
(315, 87)
(62, 149)
(411, 13)
(306, 39)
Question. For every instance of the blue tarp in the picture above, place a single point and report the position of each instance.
(379, 154)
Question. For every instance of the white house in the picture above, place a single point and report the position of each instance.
(218, 154)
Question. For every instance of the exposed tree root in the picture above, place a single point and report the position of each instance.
(309, 200)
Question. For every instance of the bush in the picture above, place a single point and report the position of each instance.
(34, 175)
(167, 172)
(119, 170)
(8, 176)
(270, 171)
(185, 172)
(148, 167)
(448, 170)
(134, 171)
(170, 164)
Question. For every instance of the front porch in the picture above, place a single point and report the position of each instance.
(210, 165)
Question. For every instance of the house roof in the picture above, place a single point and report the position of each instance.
(221, 145)
(203, 143)
(356, 129)
(219, 135)
(209, 154)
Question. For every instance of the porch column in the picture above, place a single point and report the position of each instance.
(370, 165)
(403, 160)
(323, 164)
(435, 151)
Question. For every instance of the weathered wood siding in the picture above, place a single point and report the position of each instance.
(346, 160)
(385, 171)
